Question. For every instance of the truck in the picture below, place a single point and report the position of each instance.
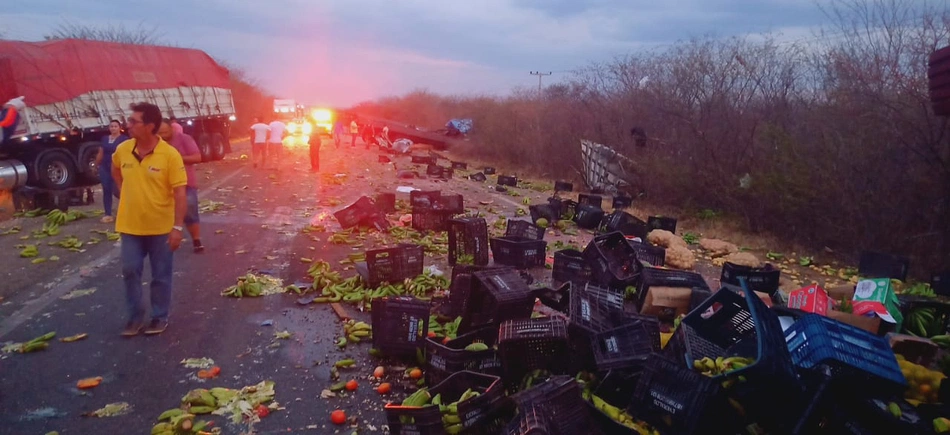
(72, 88)
(292, 114)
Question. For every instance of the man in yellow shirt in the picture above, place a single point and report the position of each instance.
(151, 179)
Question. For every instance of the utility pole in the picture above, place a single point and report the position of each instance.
(540, 75)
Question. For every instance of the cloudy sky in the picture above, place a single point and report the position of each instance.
(343, 51)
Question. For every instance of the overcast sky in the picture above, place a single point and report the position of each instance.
(343, 51)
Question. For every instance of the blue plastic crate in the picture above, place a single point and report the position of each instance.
(861, 361)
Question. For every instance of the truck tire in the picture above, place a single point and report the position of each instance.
(204, 145)
(56, 170)
(217, 146)
(87, 162)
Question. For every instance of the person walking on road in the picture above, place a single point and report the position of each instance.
(316, 141)
(275, 143)
(259, 132)
(354, 131)
(338, 132)
(151, 177)
(175, 135)
(104, 163)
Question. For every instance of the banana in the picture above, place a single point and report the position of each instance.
(170, 413)
(476, 347)
(362, 325)
(941, 425)
(207, 399)
(437, 399)
(453, 429)
(162, 427)
(894, 409)
(223, 395)
(197, 410)
(420, 398)
(450, 419)
(199, 426)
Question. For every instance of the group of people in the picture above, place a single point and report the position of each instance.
(267, 140)
(151, 172)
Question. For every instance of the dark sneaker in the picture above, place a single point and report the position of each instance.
(132, 328)
(157, 326)
(199, 248)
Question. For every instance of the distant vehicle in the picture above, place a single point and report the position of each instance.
(292, 114)
(72, 88)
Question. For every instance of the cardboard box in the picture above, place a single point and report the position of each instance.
(870, 324)
(811, 299)
(841, 292)
(876, 297)
(917, 350)
(666, 303)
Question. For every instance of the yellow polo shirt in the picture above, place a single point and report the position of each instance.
(147, 199)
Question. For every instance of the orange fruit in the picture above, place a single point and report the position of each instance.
(338, 417)
(351, 385)
(384, 388)
(379, 372)
(415, 373)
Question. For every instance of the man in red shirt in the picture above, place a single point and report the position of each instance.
(191, 155)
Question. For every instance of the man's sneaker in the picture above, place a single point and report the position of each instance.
(157, 326)
(132, 328)
(199, 248)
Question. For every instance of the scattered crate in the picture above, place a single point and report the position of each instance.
(588, 216)
(647, 253)
(461, 288)
(880, 265)
(661, 223)
(353, 214)
(497, 295)
(445, 359)
(563, 186)
(478, 176)
(760, 279)
(422, 160)
(590, 314)
(861, 362)
(621, 202)
(627, 346)
(469, 237)
(591, 200)
(400, 325)
(524, 229)
(560, 398)
(430, 220)
(434, 170)
(507, 180)
(488, 170)
(625, 223)
(420, 199)
(529, 344)
(452, 204)
(570, 266)
(473, 412)
(660, 277)
(386, 202)
(678, 400)
(544, 211)
(518, 252)
(613, 262)
(460, 165)
(531, 421)
(393, 265)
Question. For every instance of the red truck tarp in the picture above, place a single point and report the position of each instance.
(52, 71)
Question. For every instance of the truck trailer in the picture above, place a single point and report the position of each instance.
(71, 90)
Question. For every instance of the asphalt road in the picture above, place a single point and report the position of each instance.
(258, 228)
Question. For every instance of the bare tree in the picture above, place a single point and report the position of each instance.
(141, 35)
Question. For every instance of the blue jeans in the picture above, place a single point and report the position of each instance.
(108, 188)
(134, 251)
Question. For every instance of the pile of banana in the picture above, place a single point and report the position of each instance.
(920, 289)
(720, 366)
(59, 217)
(247, 286)
(622, 417)
(354, 332)
(924, 322)
(352, 290)
(322, 275)
(29, 251)
(449, 330)
(450, 418)
(197, 402)
(72, 243)
(941, 425)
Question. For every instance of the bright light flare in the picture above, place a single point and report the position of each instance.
(322, 115)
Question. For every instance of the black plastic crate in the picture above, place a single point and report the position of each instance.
(620, 202)
(591, 200)
(531, 421)
(451, 357)
(351, 215)
(497, 295)
(400, 325)
(612, 299)
(563, 186)
(386, 202)
(423, 199)
(434, 170)
(590, 313)
(661, 223)
(430, 220)
(616, 388)
(570, 266)
(375, 220)
(760, 279)
(881, 265)
(423, 160)
(560, 398)
(613, 262)
(524, 229)
(627, 346)
(453, 204)
(460, 165)
(568, 209)
(468, 236)
(478, 176)
(460, 291)
(384, 266)
(518, 252)
(488, 170)
(735, 322)
(678, 400)
(473, 412)
(507, 180)
(940, 282)
(588, 216)
(660, 277)
(528, 344)
(625, 223)
(544, 211)
(647, 253)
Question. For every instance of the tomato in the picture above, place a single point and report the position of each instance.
(338, 417)
(262, 411)
(379, 372)
(384, 388)
(415, 373)
(431, 334)
(351, 385)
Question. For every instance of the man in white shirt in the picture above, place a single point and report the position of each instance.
(259, 133)
(275, 144)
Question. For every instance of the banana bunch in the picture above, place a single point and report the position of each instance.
(348, 290)
(56, 217)
(29, 251)
(32, 213)
(720, 366)
(425, 283)
(450, 416)
(247, 286)
(535, 377)
(354, 332)
(920, 289)
(419, 399)
(72, 243)
(477, 346)
(178, 421)
(322, 276)
(448, 330)
(622, 417)
(924, 322)
(941, 425)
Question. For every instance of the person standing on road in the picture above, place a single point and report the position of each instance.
(338, 132)
(104, 163)
(316, 141)
(175, 135)
(259, 132)
(354, 131)
(276, 143)
(151, 177)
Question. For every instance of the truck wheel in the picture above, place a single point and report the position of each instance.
(217, 146)
(204, 145)
(56, 171)
(87, 164)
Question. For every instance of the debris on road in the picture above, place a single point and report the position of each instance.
(198, 363)
(87, 383)
(78, 293)
(111, 410)
(253, 285)
(34, 345)
(73, 338)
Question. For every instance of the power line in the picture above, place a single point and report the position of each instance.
(540, 75)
